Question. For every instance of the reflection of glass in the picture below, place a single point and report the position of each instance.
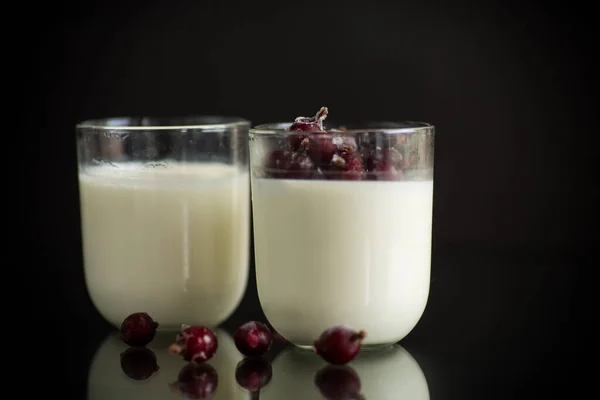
(391, 373)
(107, 380)
(347, 241)
(165, 217)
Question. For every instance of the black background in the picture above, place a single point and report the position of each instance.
(510, 87)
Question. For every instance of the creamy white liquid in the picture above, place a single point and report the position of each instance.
(387, 374)
(172, 242)
(341, 252)
(106, 379)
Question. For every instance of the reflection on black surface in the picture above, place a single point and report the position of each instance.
(338, 382)
(120, 372)
(197, 381)
(253, 374)
(139, 363)
(391, 373)
(107, 379)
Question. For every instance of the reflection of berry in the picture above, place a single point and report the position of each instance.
(138, 329)
(253, 339)
(339, 344)
(196, 381)
(138, 363)
(338, 382)
(253, 374)
(195, 343)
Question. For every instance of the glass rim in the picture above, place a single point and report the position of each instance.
(148, 123)
(384, 127)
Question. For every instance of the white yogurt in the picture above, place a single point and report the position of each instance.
(172, 242)
(342, 252)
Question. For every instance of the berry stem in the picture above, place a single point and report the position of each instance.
(360, 335)
(175, 349)
(322, 114)
(255, 395)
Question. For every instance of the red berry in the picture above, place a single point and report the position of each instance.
(277, 162)
(138, 363)
(253, 374)
(321, 148)
(196, 381)
(195, 343)
(338, 382)
(301, 167)
(138, 329)
(253, 339)
(346, 166)
(385, 165)
(339, 344)
(310, 124)
(345, 143)
(296, 141)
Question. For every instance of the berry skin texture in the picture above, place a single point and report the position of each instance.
(306, 124)
(195, 343)
(310, 124)
(347, 165)
(277, 163)
(253, 374)
(339, 344)
(196, 381)
(338, 382)
(301, 167)
(321, 148)
(139, 363)
(385, 165)
(253, 339)
(138, 329)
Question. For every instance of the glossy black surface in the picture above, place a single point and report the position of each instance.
(510, 85)
(498, 325)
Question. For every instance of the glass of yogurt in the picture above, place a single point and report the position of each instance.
(165, 211)
(342, 222)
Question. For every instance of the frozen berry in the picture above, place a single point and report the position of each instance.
(196, 381)
(253, 374)
(301, 167)
(296, 141)
(138, 329)
(276, 163)
(310, 124)
(138, 363)
(385, 164)
(345, 143)
(321, 148)
(195, 343)
(346, 166)
(253, 339)
(338, 382)
(339, 344)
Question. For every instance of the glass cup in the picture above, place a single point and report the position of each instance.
(342, 228)
(165, 217)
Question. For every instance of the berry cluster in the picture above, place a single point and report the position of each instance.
(337, 345)
(318, 153)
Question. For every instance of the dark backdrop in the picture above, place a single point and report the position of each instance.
(509, 85)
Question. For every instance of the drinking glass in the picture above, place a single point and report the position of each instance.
(164, 205)
(342, 224)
